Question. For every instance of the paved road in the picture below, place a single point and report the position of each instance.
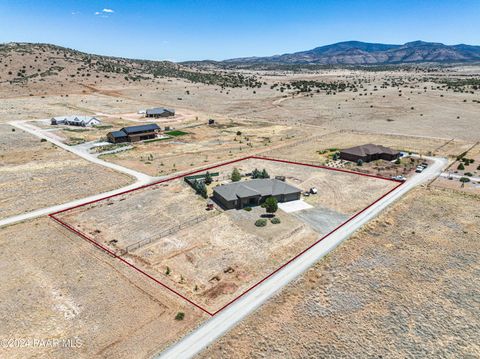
(141, 178)
(216, 326)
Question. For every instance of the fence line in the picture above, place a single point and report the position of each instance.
(169, 231)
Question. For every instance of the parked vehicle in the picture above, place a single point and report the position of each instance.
(313, 190)
(400, 178)
(419, 169)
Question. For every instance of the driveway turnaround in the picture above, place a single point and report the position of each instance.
(294, 206)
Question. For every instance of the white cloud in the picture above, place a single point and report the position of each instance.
(104, 12)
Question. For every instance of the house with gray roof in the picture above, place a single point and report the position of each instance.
(159, 112)
(134, 133)
(83, 121)
(254, 192)
(369, 152)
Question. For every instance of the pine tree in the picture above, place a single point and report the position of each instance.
(208, 178)
(235, 177)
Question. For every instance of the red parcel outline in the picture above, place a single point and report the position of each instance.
(113, 254)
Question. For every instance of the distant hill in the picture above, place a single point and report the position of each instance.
(364, 53)
(27, 64)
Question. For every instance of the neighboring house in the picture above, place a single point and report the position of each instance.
(254, 192)
(83, 121)
(134, 133)
(369, 152)
(159, 112)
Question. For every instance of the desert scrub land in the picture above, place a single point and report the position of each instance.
(406, 285)
(215, 259)
(36, 174)
(65, 288)
(312, 149)
(464, 173)
(203, 144)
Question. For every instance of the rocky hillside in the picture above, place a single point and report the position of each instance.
(362, 53)
(26, 64)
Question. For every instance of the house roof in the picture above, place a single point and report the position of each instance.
(158, 111)
(255, 187)
(118, 134)
(140, 128)
(80, 119)
(369, 149)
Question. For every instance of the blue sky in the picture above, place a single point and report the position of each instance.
(194, 30)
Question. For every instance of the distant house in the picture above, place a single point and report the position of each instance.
(134, 133)
(159, 112)
(254, 192)
(369, 152)
(83, 121)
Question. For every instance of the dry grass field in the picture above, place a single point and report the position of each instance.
(406, 285)
(37, 174)
(214, 260)
(64, 288)
(204, 144)
(470, 162)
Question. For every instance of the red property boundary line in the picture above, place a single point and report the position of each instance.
(113, 254)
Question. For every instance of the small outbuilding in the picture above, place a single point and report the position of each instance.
(369, 152)
(159, 112)
(254, 192)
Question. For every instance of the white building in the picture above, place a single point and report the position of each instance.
(83, 121)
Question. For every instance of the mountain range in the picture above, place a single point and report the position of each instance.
(364, 53)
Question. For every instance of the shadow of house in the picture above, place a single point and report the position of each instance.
(253, 193)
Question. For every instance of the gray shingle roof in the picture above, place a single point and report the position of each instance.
(255, 187)
(140, 128)
(158, 111)
(369, 149)
(118, 134)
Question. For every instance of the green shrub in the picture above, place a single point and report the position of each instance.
(248, 209)
(180, 316)
(469, 174)
(275, 220)
(464, 179)
(261, 222)
(271, 204)
(236, 176)
(461, 167)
